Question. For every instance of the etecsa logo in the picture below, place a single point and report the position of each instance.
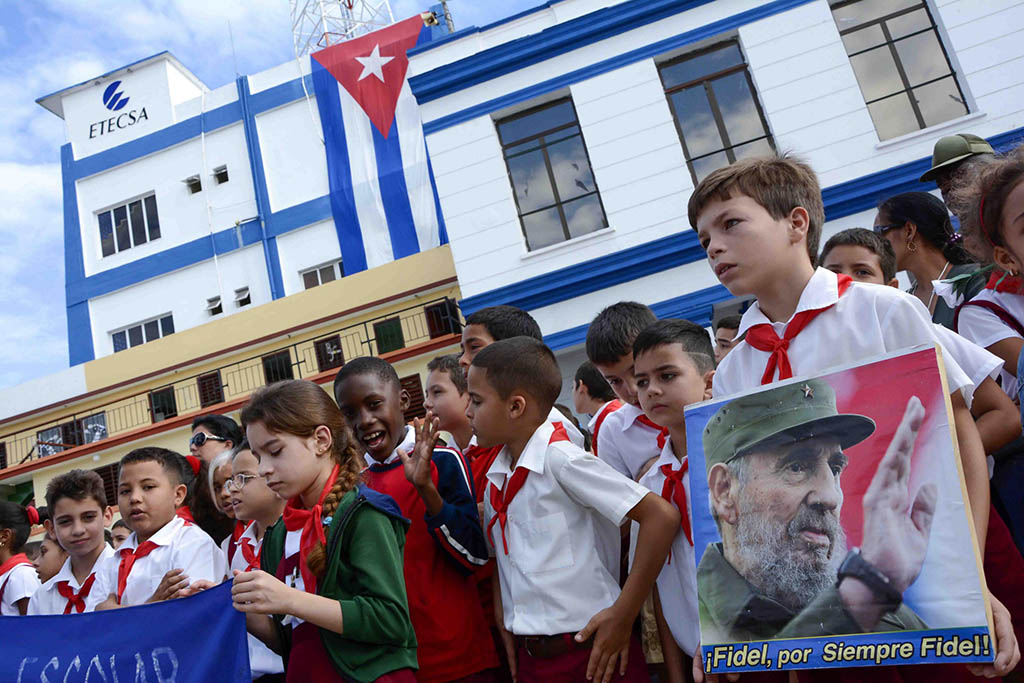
(112, 99)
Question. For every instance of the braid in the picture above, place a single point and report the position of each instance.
(348, 477)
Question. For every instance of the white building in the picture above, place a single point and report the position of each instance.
(566, 140)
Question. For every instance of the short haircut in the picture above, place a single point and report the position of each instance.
(694, 339)
(611, 334)
(870, 240)
(522, 364)
(76, 485)
(220, 425)
(120, 522)
(505, 322)
(450, 364)
(729, 322)
(597, 386)
(171, 463)
(779, 183)
(366, 365)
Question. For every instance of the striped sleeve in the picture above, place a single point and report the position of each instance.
(456, 528)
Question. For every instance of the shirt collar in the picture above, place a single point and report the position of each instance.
(65, 574)
(597, 415)
(630, 413)
(736, 605)
(667, 456)
(532, 457)
(821, 291)
(163, 536)
(408, 441)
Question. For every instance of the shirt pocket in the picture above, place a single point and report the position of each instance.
(546, 542)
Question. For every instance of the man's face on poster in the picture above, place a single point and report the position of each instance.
(778, 510)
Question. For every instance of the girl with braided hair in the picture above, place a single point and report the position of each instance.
(330, 594)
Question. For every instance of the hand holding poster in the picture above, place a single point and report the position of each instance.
(195, 639)
(830, 526)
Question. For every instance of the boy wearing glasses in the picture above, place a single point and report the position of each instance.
(212, 435)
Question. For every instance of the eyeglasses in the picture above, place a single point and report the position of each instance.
(879, 229)
(199, 438)
(237, 482)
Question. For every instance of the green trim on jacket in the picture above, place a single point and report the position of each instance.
(364, 574)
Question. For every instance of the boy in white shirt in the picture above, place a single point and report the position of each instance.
(166, 556)
(78, 514)
(674, 367)
(553, 513)
(760, 221)
(593, 396)
(628, 439)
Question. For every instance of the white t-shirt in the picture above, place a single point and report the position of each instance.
(20, 581)
(262, 660)
(975, 361)
(181, 545)
(48, 600)
(869, 320)
(985, 328)
(626, 443)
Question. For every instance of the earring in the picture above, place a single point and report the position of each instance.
(911, 246)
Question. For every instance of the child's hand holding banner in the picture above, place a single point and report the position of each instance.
(830, 527)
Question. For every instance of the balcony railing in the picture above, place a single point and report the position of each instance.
(378, 336)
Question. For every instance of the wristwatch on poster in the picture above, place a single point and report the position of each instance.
(854, 565)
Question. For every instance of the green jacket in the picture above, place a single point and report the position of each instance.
(732, 611)
(364, 573)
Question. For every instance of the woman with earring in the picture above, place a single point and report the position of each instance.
(917, 226)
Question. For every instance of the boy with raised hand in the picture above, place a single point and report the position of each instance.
(673, 367)
(495, 323)
(166, 556)
(445, 543)
(628, 440)
(760, 221)
(553, 515)
(78, 513)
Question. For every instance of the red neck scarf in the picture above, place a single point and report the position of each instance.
(662, 431)
(311, 524)
(250, 555)
(763, 338)
(128, 557)
(185, 512)
(75, 600)
(1001, 281)
(674, 491)
(607, 410)
(14, 561)
(236, 534)
(500, 500)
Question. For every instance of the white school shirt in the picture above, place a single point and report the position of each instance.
(869, 320)
(977, 363)
(554, 417)
(563, 535)
(48, 600)
(625, 443)
(20, 581)
(677, 581)
(262, 660)
(182, 545)
(985, 328)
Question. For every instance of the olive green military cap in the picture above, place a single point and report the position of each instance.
(779, 416)
(953, 149)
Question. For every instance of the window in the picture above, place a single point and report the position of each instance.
(128, 225)
(442, 319)
(220, 175)
(717, 114)
(554, 188)
(277, 366)
(70, 434)
(108, 473)
(328, 353)
(328, 272)
(388, 335)
(242, 297)
(214, 306)
(194, 184)
(211, 390)
(143, 332)
(162, 404)
(903, 70)
(414, 386)
(3, 455)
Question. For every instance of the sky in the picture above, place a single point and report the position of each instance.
(48, 45)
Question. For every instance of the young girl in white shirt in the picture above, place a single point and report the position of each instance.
(18, 578)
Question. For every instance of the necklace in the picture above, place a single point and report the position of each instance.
(931, 299)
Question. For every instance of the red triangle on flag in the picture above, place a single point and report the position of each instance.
(372, 68)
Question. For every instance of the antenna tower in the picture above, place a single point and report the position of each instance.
(317, 24)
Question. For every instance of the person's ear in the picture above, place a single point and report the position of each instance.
(108, 516)
(709, 378)
(1006, 260)
(322, 440)
(722, 490)
(516, 406)
(180, 492)
(799, 224)
(404, 400)
(895, 282)
(48, 525)
(909, 231)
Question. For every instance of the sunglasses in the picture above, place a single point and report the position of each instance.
(199, 438)
(879, 229)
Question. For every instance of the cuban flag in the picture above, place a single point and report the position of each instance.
(382, 191)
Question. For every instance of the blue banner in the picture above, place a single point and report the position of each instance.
(190, 640)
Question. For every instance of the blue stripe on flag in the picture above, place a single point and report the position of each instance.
(394, 193)
(442, 232)
(339, 174)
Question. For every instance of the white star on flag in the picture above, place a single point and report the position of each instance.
(372, 64)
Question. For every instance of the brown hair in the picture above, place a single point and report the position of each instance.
(76, 485)
(980, 192)
(298, 407)
(779, 183)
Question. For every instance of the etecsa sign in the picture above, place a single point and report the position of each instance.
(116, 101)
